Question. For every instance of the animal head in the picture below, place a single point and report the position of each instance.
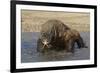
(45, 39)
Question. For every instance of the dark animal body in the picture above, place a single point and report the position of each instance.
(56, 35)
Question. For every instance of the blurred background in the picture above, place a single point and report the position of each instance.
(32, 20)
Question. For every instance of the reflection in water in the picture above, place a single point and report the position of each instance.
(30, 54)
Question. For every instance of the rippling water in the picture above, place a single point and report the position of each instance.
(29, 53)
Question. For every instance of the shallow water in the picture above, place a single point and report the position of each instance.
(29, 53)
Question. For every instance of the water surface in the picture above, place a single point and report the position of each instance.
(30, 54)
